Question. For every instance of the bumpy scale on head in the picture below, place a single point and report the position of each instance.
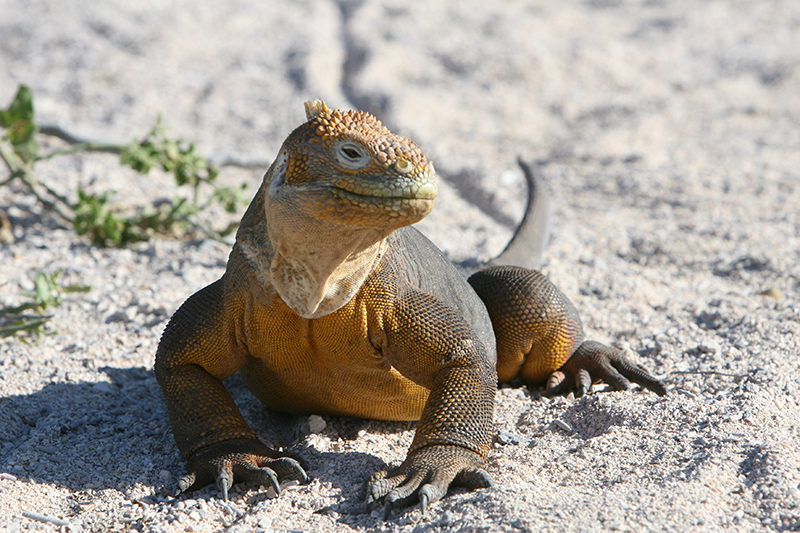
(353, 170)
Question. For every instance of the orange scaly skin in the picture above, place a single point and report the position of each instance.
(331, 305)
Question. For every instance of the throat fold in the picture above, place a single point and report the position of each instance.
(319, 276)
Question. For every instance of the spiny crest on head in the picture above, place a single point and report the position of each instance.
(333, 122)
(315, 107)
(328, 124)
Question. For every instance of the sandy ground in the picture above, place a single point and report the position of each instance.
(669, 135)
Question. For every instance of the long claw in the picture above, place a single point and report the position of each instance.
(273, 481)
(555, 380)
(300, 474)
(224, 483)
(387, 510)
(285, 467)
(639, 374)
(424, 500)
(557, 384)
(184, 483)
(584, 381)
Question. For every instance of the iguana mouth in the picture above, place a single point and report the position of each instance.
(401, 205)
(407, 191)
(359, 208)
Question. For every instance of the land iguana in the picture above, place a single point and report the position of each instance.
(332, 304)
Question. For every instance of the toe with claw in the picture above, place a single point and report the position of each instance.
(425, 475)
(593, 361)
(250, 461)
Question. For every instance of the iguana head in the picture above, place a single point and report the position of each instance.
(340, 185)
(346, 168)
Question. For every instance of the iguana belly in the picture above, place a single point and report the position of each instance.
(325, 365)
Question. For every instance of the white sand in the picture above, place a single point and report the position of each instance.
(669, 134)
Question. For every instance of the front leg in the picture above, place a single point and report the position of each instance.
(540, 336)
(195, 354)
(429, 343)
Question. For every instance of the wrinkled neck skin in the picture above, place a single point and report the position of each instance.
(316, 267)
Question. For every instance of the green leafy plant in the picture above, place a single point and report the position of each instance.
(18, 122)
(30, 317)
(93, 214)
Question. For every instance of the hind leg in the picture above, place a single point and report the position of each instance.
(540, 336)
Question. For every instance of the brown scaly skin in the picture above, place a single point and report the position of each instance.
(331, 305)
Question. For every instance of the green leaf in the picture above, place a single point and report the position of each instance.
(94, 218)
(33, 325)
(21, 108)
(230, 197)
(75, 288)
(46, 293)
(20, 129)
(46, 289)
(156, 149)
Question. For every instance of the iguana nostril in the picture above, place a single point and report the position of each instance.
(403, 166)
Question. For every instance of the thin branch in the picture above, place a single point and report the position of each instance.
(11, 160)
(709, 373)
(84, 147)
(57, 130)
(210, 234)
(22, 171)
(82, 143)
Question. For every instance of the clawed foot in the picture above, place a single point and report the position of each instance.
(249, 461)
(593, 361)
(426, 474)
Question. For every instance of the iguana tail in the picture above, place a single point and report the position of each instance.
(526, 248)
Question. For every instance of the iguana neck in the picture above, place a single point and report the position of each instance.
(315, 267)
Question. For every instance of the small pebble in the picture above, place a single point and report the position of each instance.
(290, 484)
(686, 393)
(772, 292)
(709, 346)
(562, 425)
(316, 424)
(506, 437)
(45, 518)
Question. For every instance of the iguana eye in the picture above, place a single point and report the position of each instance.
(352, 156)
